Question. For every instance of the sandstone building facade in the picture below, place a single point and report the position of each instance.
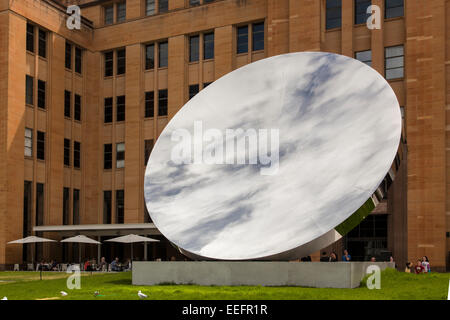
(81, 109)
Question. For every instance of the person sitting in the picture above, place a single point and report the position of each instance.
(87, 266)
(408, 267)
(419, 268)
(324, 257)
(53, 266)
(103, 266)
(127, 265)
(115, 265)
(333, 257)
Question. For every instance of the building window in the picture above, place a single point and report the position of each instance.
(148, 149)
(258, 36)
(120, 206)
(361, 14)
(394, 62)
(242, 39)
(333, 14)
(121, 61)
(121, 11)
(365, 57)
(41, 94)
(30, 37)
(29, 90)
(109, 14)
(28, 142)
(193, 3)
(27, 207)
(206, 84)
(77, 108)
(163, 6)
(76, 154)
(208, 46)
(120, 155)
(78, 57)
(68, 56)
(66, 152)
(163, 54)
(40, 145)
(42, 43)
(76, 206)
(120, 108)
(150, 7)
(107, 156)
(40, 204)
(66, 205)
(107, 207)
(149, 104)
(194, 48)
(394, 9)
(67, 103)
(108, 110)
(109, 63)
(149, 56)
(162, 102)
(193, 90)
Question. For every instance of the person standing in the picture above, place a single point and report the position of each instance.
(426, 264)
(408, 267)
(346, 257)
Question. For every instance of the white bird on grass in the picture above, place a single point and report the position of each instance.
(4, 298)
(63, 293)
(142, 295)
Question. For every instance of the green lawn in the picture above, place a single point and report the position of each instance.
(117, 286)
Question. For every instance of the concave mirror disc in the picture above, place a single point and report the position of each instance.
(319, 133)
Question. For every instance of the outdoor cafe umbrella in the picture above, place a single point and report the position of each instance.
(30, 239)
(132, 238)
(81, 239)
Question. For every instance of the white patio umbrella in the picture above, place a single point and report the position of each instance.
(133, 238)
(31, 239)
(81, 239)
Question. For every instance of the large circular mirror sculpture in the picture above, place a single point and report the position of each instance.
(275, 160)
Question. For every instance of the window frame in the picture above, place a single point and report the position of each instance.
(67, 104)
(120, 155)
(387, 58)
(163, 96)
(41, 94)
(120, 108)
(208, 46)
(40, 145)
(255, 34)
(108, 63)
(107, 156)
(77, 154)
(149, 108)
(239, 37)
(67, 152)
(162, 54)
(108, 116)
(30, 38)
(333, 9)
(29, 139)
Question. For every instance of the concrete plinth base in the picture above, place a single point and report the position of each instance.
(221, 273)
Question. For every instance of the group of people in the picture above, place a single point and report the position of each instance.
(422, 266)
(116, 265)
(346, 257)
